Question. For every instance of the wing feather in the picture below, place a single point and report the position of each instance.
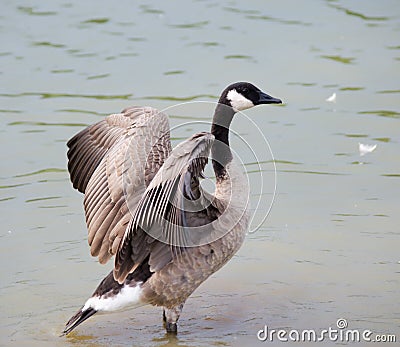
(111, 162)
(157, 219)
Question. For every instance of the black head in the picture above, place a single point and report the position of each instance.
(243, 95)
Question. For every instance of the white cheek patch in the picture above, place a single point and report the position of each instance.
(238, 101)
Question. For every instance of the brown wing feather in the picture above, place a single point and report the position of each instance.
(112, 161)
(88, 148)
(156, 220)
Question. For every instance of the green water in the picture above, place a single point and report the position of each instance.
(329, 248)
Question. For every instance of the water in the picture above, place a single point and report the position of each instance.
(330, 246)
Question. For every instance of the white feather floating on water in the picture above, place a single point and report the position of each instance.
(332, 98)
(365, 149)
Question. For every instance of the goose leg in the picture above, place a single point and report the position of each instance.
(170, 318)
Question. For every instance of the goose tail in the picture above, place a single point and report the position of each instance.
(108, 297)
(78, 318)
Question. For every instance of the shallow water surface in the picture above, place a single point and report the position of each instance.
(329, 248)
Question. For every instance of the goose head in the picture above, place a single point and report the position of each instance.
(243, 95)
(236, 97)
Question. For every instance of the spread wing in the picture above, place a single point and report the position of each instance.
(112, 162)
(157, 225)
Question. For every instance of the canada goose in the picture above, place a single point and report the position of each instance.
(144, 204)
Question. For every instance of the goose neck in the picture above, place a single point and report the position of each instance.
(220, 151)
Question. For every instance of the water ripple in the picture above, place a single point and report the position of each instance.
(184, 98)
(8, 186)
(276, 161)
(278, 20)
(358, 14)
(43, 198)
(314, 172)
(339, 59)
(33, 12)
(7, 198)
(303, 84)
(391, 175)
(349, 215)
(382, 113)
(94, 77)
(137, 39)
(310, 109)
(38, 172)
(45, 95)
(205, 44)
(62, 71)
(174, 72)
(96, 21)
(73, 110)
(10, 111)
(151, 10)
(355, 135)
(47, 124)
(239, 56)
(48, 44)
(195, 25)
(238, 10)
(389, 91)
(351, 88)
(382, 139)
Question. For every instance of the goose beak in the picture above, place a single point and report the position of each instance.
(267, 99)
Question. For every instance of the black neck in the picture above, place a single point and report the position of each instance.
(220, 151)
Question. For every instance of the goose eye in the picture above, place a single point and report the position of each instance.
(245, 90)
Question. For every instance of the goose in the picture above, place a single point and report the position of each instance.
(145, 206)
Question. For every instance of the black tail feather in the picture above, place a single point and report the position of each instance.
(109, 286)
(77, 319)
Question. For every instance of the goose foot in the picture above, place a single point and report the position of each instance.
(171, 328)
(170, 318)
